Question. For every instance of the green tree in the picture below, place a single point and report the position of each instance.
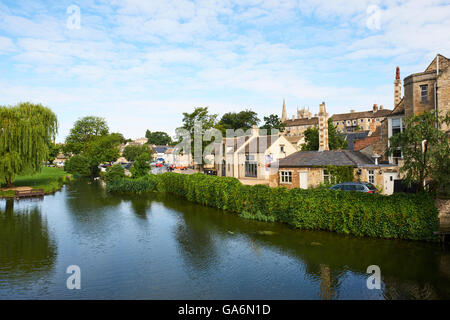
(273, 122)
(83, 131)
(140, 167)
(26, 132)
(132, 152)
(431, 162)
(241, 120)
(102, 149)
(78, 165)
(335, 141)
(114, 172)
(197, 122)
(53, 150)
(158, 138)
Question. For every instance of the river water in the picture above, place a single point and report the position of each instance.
(163, 247)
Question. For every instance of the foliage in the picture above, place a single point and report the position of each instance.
(340, 174)
(53, 150)
(197, 122)
(431, 163)
(102, 149)
(26, 132)
(241, 120)
(115, 172)
(83, 131)
(49, 179)
(158, 138)
(78, 165)
(273, 122)
(335, 141)
(132, 152)
(403, 216)
(140, 167)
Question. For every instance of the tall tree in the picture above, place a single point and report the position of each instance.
(102, 149)
(197, 122)
(132, 152)
(26, 132)
(335, 141)
(241, 120)
(425, 150)
(273, 122)
(83, 131)
(159, 138)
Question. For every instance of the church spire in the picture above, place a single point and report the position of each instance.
(283, 113)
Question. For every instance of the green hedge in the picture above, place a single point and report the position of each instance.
(403, 216)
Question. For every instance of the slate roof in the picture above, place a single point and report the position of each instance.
(160, 149)
(350, 137)
(301, 122)
(363, 114)
(325, 158)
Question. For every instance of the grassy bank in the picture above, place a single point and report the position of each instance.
(49, 179)
(401, 216)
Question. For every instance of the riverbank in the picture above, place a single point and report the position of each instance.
(49, 179)
(400, 216)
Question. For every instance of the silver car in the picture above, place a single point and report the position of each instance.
(355, 186)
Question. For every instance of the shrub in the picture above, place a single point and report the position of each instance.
(78, 165)
(403, 216)
(115, 172)
(140, 167)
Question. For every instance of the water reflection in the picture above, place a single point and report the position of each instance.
(410, 270)
(26, 245)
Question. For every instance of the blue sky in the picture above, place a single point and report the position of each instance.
(140, 64)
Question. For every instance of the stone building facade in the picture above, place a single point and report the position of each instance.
(309, 169)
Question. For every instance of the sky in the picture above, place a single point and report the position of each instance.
(141, 64)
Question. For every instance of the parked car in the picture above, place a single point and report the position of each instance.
(355, 186)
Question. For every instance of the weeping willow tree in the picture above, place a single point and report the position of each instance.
(26, 132)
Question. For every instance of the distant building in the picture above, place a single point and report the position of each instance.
(308, 169)
(249, 157)
(345, 122)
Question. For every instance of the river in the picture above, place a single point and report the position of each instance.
(163, 247)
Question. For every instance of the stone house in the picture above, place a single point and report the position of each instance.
(308, 169)
(248, 157)
(424, 91)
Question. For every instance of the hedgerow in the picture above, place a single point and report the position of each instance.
(402, 216)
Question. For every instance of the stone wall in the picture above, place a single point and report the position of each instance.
(443, 94)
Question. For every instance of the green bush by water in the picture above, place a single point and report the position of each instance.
(403, 216)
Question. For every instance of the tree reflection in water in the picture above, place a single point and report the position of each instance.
(26, 245)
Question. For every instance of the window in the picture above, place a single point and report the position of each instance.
(424, 93)
(397, 153)
(326, 176)
(371, 176)
(281, 148)
(286, 176)
(396, 126)
(229, 167)
(362, 120)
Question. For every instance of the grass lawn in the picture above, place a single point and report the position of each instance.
(49, 179)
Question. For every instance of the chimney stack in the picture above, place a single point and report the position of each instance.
(372, 127)
(397, 87)
(381, 107)
(375, 107)
(323, 128)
